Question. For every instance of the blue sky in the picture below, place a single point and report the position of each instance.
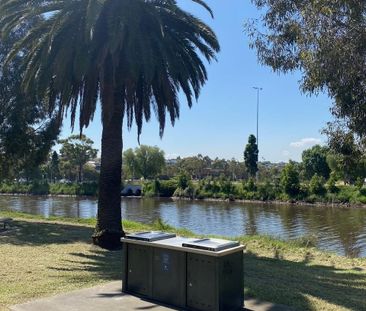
(219, 124)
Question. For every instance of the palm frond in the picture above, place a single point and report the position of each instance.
(135, 56)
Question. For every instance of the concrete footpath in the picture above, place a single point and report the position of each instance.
(110, 298)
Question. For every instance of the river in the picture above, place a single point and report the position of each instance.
(337, 229)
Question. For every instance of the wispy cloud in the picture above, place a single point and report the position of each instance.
(306, 142)
(286, 153)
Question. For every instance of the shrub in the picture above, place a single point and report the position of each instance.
(346, 193)
(86, 188)
(226, 186)
(304, 192)
(363, 191)
(316, 185)
(250, 185)
(178, 193)
(39, 188)
(290, 180)
(90, 188)
(182, 180)
(167, 188)
(188, 192)
(266, 192)
(151, 188)
(331, 184)
(15, 188)
(359, 183)
(311, 198)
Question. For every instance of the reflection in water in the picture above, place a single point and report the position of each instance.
(339, 230)
(250, 221)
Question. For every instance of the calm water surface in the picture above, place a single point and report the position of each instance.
(339, 230)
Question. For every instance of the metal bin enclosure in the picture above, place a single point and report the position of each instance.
(139, 269)
(194, 274)
(137, 261)
(169, 276)
(214, 282)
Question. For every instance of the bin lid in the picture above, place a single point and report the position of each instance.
(214, 245)
(150, 236)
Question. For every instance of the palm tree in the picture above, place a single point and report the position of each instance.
(133, 55)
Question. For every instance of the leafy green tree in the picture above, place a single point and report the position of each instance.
(290, 182)
(129, 164)
(193, 166)
(236, 169)
(314, 162)
(268, 171)
(133, 55)
(145, 161)
(347, 158)
(27, 130)
(77, 150)
(325, 40)
(220, 164)
(67, 170)
(251, 156)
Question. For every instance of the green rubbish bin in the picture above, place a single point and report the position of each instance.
(215, 277)
(137, 259)
(194, 274)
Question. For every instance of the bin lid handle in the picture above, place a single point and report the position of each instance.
(200, 240)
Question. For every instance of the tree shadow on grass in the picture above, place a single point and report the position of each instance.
(106, 265)
(291, 283)
(276, 280)
(43, 233)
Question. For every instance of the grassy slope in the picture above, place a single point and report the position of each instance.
(42, 258)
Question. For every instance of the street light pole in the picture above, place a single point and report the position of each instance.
(258, 90)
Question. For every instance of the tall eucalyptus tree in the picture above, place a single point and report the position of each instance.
(325, 40)
(133, 55)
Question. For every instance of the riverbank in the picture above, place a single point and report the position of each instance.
(342, 196)
(49, 256)
(44, 188)
(249, 191)
(259, 202)
(271, 202)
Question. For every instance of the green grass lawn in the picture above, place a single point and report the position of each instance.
(44, 257)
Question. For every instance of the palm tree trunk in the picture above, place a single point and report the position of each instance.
(108, 230)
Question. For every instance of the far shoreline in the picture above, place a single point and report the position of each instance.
(217, 200)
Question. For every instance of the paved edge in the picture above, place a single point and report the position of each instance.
(109, 297)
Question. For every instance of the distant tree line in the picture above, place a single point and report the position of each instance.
(332, 173)
(335, 173)
(70, 164)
